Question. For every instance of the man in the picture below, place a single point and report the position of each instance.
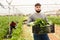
(12, 26)
(9, 31)
(33, 17)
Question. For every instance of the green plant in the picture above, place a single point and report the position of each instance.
(40, 22)
(5, 24)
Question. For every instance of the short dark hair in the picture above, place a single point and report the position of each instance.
(37, 4)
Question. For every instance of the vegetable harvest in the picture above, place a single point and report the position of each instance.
(40, 22)
(41, 26)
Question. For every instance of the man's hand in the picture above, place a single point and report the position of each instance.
(31, 24)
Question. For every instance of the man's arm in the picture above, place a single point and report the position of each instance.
(30, 19)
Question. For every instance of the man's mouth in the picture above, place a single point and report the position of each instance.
(38, 11)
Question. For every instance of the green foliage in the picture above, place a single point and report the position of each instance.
(16, 34)
(54, 19)
(40, 26)
(4, 25)
(40, 22)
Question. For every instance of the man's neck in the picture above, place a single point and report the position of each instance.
(37, 13)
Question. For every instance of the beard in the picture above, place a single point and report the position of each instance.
(38, 11)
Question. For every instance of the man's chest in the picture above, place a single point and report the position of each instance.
(34, 17)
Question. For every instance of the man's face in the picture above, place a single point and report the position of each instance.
(38, 9)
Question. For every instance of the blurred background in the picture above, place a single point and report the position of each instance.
(19, 11)
(27, 6)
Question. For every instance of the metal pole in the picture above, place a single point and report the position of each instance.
(9, 3)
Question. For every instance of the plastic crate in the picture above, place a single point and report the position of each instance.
(43, 30)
